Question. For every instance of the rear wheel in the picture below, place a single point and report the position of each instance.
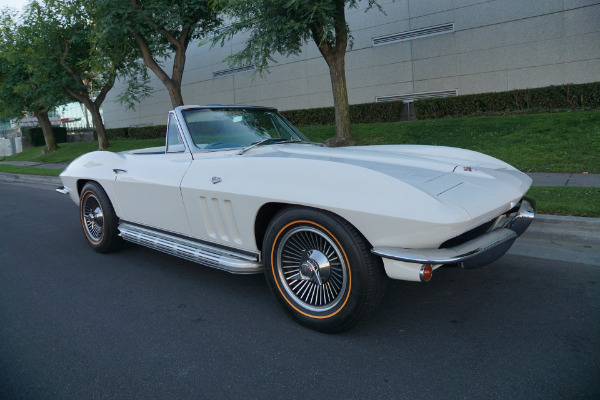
(321, 270)
(98, 219)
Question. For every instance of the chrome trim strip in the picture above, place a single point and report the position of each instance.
(250, 255)
(214, 257)
(452, 255)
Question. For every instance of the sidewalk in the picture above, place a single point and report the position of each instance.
(550, 179)
(539, 178)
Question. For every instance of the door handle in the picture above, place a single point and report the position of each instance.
(117, 170)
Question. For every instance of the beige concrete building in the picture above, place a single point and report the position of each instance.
(420, 48)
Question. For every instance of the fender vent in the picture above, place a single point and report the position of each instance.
(231, 71)
(410, 97)
(414, 34)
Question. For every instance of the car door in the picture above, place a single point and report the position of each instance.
(213, 193)
(148, 184)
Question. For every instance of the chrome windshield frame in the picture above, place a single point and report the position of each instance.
(187, 137)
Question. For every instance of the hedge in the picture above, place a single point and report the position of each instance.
(359, 114)
(366, 113)
(147, 132)
(571, 96)
(116, 133)
(36, 136)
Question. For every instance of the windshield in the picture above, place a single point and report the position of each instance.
(231, 128)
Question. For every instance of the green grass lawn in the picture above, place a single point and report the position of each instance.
(562, 200)
(70, 151)
(12, 169)
(554, 142)
(558, 142)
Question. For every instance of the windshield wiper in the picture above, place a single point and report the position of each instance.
(269, 141)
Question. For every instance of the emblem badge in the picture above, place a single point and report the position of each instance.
(216, 179)
(466, 169)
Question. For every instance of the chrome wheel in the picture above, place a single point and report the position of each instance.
(312, 268)
(93, 217)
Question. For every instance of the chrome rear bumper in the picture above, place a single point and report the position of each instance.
(474, 253)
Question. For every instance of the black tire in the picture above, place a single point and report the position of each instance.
(98, 219)
(321, 269)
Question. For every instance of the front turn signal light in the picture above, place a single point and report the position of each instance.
(426, 273)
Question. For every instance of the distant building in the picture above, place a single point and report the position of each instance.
(421, 48)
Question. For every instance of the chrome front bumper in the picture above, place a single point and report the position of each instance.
(476, 252)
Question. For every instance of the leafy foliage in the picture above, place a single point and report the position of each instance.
(161, 29)
(86, 69)
(284, 26)
(571, 96)
(359, 114)
(29, 80)
(117, 133)
(36, 136)
(148, 132)
(138, 132)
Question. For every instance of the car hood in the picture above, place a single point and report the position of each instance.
(474, 181)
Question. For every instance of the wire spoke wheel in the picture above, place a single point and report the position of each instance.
(312, 268)
(98, 219)
(93, 217)
(320, 269)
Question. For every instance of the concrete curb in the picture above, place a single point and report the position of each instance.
(24, 178)
(565, 229)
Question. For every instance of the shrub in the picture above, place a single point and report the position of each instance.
(116, 133)
(569, 96)
(147, 132)
(359, 114)
(36, 136)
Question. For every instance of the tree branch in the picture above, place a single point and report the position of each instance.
(78, 96)
(107, 86)
(67, 67)
(341, 29)
(322, 44)
(149, 60)
(165, 33)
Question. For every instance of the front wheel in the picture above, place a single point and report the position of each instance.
(321, 270)
(98, 219)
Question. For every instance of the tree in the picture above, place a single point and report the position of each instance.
(28, 82)
(89, 67)
(284, 26)
(160, 28)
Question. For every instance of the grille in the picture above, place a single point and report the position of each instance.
(409, 97)
(413, 34)
(465, 237)
(231, 71)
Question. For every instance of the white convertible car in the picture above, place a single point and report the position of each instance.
(242, 190)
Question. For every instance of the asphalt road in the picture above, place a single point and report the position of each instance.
(142, 325)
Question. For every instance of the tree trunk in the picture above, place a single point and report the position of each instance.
(98, 125)
(334, 53)
(44, 121)
(174, 90)
(172, 84)
(343, 130)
